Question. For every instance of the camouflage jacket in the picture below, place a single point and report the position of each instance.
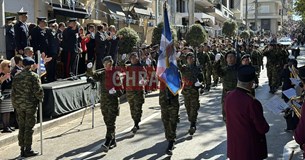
(228, 75)
(26, 90)
(204, 60)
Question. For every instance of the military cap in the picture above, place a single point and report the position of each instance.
(189, 48)
(11, 18)
(230, 52)
(245, 56)
(133, 54)
(27, 61)
(189, 54)
(52, 21)
(41, 19)
(107, 58)
(302, 73)
(72, 20)
(246, 73)
(22, 12)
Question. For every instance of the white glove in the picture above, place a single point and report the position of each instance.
(217, 57)
(148, 61)
(89, 65)
(142, 82)
(124, 56)
(198, 84)
(112, 91)
(178, 54)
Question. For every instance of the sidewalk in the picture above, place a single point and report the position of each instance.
(10, 138)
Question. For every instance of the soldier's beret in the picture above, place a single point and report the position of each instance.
(246, 73)
(191, 54)
(27, 61)
(245, 56)
(52, 21)
(107, 58)
(22, 12)
(230, 52)
(11, 18)
(302, 73)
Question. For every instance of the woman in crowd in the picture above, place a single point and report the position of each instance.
(6, 105)
(83, 39)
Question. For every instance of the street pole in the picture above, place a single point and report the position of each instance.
(157, 11)
(282, 15)
(2, 28)
(247, 15)
(256, 14)
(191, 12)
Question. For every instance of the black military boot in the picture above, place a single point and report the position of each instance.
(106, 145)
(135, 127)
(192, 129)
(170, 147)
(112, 143)
(29, 152)
(22, 152)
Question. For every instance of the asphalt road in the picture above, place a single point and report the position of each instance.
(74, 141)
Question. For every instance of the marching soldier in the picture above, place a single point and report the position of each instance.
(26, 95)
(111, 90)
(134, 85)
(271, 65)
(205, 63)
(228, 73)
(256, 59)
(169, 114)
(192, 78)
(21, 32)
(10, 38)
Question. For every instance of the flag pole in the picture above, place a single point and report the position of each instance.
(40, 103)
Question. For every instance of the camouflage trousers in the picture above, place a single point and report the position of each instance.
(207, 77)
(135, 100)
(215, 76)
(26, 119)
(110, 112)
(170, 117)
(191, 102)
(272, 74)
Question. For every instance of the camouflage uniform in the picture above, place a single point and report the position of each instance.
(190, 75)
(229, 77)
(272, 68)
(109, 102)
(257, 61)
(169, 111)
(26, 95)
(206, 66)
(135, 91)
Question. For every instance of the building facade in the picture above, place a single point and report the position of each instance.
(270, 14)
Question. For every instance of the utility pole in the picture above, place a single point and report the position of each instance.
(157, 12)
(247, 27)
(282, 14)
(2, 33)
(256, 14)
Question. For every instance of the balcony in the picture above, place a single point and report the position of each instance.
(205, 3)
(145, 3)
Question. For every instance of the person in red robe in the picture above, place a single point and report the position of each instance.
(299, 134)
(246, 124)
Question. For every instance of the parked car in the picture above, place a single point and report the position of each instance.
(285, 41)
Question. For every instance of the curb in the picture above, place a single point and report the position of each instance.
(13, 137)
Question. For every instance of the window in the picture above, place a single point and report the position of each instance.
(231, 4)
(224, 2)
(264, 9)
(181, 6)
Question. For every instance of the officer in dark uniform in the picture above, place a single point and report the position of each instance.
(91, 44)
(53, 49)
(21, 32)
(10, 38)
(70, 47)
(39, 37)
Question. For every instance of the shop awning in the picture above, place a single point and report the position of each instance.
(144, 11)
(65, 10)
(114, 9)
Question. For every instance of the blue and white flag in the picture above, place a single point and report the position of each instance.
(43, 70)
(167, 69)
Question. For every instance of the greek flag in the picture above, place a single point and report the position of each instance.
(167, 68)
(43, 70)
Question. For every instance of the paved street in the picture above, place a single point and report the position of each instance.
(74, 141)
